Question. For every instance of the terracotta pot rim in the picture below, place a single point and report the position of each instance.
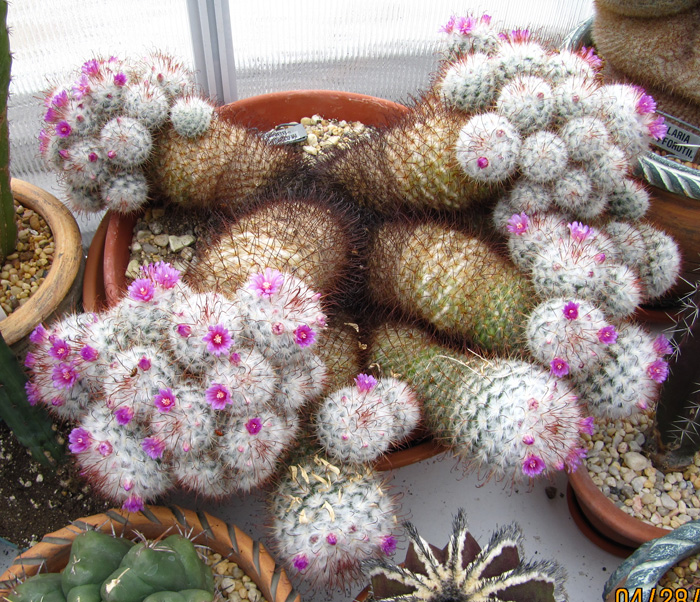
(68, 254)
(606, 516)
(224, 538)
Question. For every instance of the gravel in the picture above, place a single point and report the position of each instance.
(231, 581)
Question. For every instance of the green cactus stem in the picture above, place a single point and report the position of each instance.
(8, 226)
(30, 424)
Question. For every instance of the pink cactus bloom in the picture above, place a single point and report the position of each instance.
(267, 283)
(559, 367)
(254, 426)
(218, 396)
(154, 447)
(141, 289)
(63, 129)
(580, 232)
(123, 415)
(658, 371)
(586, 425)
(79, 440)
(218, 340)
(388, 544)
(134, 503)
(533, 465)
(300, 562)
(89, 354)
(38, 335)
(304, 336)
(64, 376)
(607, 335)
(365, 382)
(518, 224)
(662, 346)
(164, 400)
(571, 310)
(144, 363)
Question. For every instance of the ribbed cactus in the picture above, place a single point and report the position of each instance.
(327, 519)
(359, 423)
(8, 226)
(172, 387)
(452, 279)
(505, 416)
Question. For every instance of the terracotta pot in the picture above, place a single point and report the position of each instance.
(52, 553)
(263, 112)
(94, 296)
(607, 520)
(61, 289)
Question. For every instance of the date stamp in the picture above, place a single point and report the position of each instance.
(663, 595)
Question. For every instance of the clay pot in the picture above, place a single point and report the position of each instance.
(52, 553)
(602, 521)
(60, 291)
(262, 112)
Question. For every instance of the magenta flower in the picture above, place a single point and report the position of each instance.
(184, 330)
(304, 336)
(218, 396)
(165, 275)
(81, 87)
(658, 371)
(123, 415)
(89, 354)
(165, 400)
(662, 345)
(57, 401)
(144, 363)
(559, 367)
(278, 328)
(79, 440)
(235, 358)
(44, 140)
(365, 382)
(518, 224)
(533, 465)
(64, 376)
(63, 129)
(91, 67)
(646, 104)
(571, 310)
(449, 26)
(154, 447)
(528, 439)
(579, 232)
(607, 335)
(141, 289)
(32, 393)
(482, 162)
(59, 349)
(120, 79)
(388, 544)
(599, 258)
(218, 340)
(105, 448)
(589, 55)
(60, 99)
(39, 335)
(254, 426)
(300, 562)
(51, 115)
(573, 460)
(93, 157)
(586, 425)
(658, 129)
(29, 360)
(267, 283)
(466, 25)
(519, 36)
(331, 539)
(134, 503)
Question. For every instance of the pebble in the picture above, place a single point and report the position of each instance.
(231, 582)
(636, 461)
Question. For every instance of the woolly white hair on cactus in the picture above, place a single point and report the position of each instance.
(471, 35)
(528, 103)
(326, 520)
(191, 116)
(488, 147)
(358, 424)
(471, 83)
(543, 157)
(300, 380)
(146, 103)
(203, 474)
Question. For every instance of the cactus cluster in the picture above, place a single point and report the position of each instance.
(115, 569)
(172, 387)
(126, 130)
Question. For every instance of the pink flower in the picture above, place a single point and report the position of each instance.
(658, 371)
(662, 345)
(120, 79)
(153, 446)
(528, 439)
(44, 140)
(278, 328)
(579, 232)
(533, 465)
(218, 396)
(300, 562)
(57, 402)
(141, 289)
(60, 99)
(79, 440)
(51, 115)
(559, 367)
(304, 336)
(482, 162)
(589, 55)
(105, 448)
(586, 425)
(518, 224)
(519, 36)
(388, 544)
(93, 157)
(449, 26)
(64, 376)
(165, 275)
(165, 400)
(571, 310)
(658, 129)
(235, 358)
(81, 87)
(218, 340)
(331, 539)
(365, 383)
(59, 349)
(184, 330)
(134, 503)
(607, 335)
(63, 129)
(89, 354)
(32, 393)
(646, 104)
(599, 258)
(254, 426)
(144, 363)
(39, 335)
(573, 460)
(91, 67)
(267, 283)
(124, 415)
(29, 360)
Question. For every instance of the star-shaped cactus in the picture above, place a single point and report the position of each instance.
(463, 572)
